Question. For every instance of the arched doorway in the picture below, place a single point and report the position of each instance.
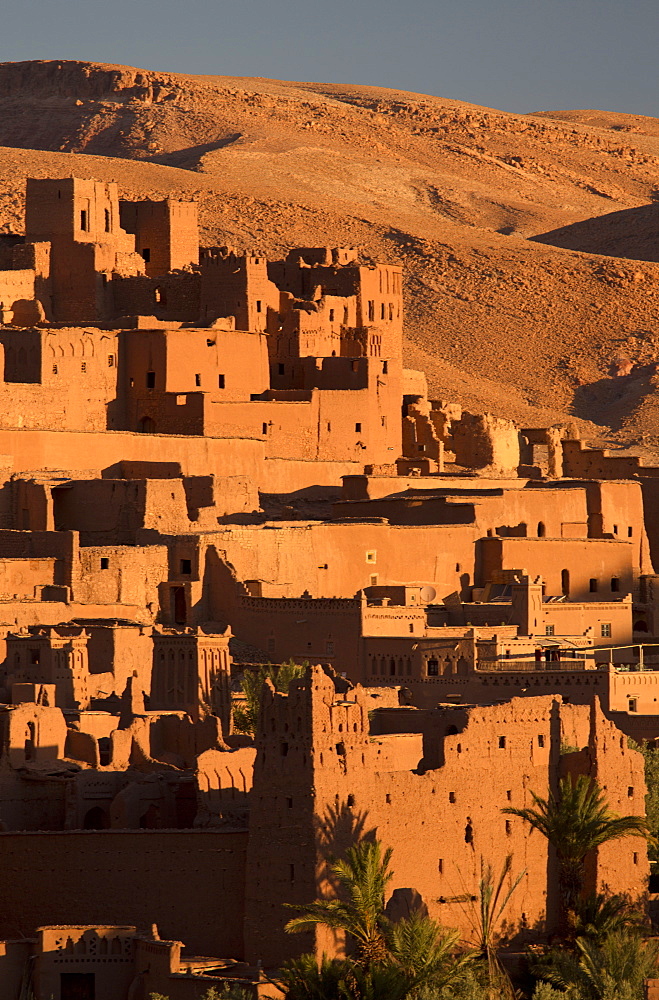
(96, 818)
(146, 425)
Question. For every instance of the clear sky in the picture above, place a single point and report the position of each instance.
(517, 55)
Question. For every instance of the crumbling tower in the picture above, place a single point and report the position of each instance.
(307, 743)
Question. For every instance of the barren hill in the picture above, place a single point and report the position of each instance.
(530, 242)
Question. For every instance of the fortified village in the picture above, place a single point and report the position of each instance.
(211, 460)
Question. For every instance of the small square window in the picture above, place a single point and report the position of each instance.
(605, 630)
(34, 656)
(281, 369)
(630, 532)
(502, 742)
(371, 556)
(105, 562)
(358, 428)
(146, 255)
(110, 360)
(54, 369)
(186, 566)
(150, 380)
(549, 630)
(83, 366)
(331, 315)
(451, 796)
(264, 428)
(197, 379)
(220, 381)
(374, 580)
(258, 305)
(541, 740)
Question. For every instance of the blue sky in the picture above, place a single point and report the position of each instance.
(519, 56)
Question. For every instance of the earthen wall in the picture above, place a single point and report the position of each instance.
(190, 883)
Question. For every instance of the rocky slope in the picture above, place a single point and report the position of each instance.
(529, 241)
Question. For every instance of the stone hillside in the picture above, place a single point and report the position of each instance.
(529, 241)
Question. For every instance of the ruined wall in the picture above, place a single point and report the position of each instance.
(482, 441)
(17, 295)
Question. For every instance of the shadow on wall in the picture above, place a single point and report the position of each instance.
(340, 828)
(631, 233)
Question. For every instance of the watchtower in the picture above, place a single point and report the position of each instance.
(51, 656)
(192, 673)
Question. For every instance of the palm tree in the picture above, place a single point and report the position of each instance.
(576, 822)
(426, 953)
(485, 913)
(362, 878)
(616, 969)
(599, 915)
(246, 718)
(392, 960)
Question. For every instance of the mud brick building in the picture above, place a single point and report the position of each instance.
(211, 460)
